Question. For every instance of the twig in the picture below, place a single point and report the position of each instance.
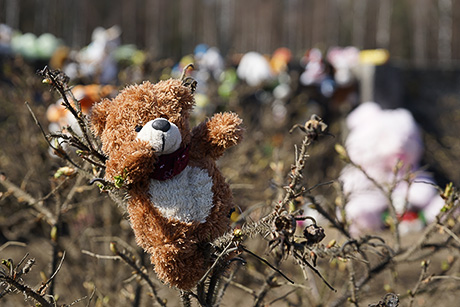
(353, 296)
(204, 296)
(244, 288)
(296, 173)
(216, 276)
(250, 229)
(426, 234)
(388, 193)
(414, 291)
(450, 233)
(223, 288)
(58, 81)
(364, 280)
(54, 190)
(202, 279)
(138, 271)
(71, 193)
(26, 290)
(44, 285)
(137, 295)
(105, 257)
(61, 152)
(22, 195)
(78, 300)
(263, 292)
(267, 263)
(121, 256)
(91, 297)
(336, 224)
(443, 277)
(302, 259)
(282, 297)
(429, 230)
(318, 185)
(12, 243)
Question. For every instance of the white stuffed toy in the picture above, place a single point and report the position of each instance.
(378, 140)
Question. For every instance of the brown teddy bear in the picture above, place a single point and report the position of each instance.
(178, 199)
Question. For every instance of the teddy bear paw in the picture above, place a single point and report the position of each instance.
(225, 130)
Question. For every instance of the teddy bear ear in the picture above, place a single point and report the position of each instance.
(99, 114)
(188, 81)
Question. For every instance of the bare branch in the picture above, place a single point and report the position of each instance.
(139, 271)
(414, 291)
(44, 285)
(21, 195)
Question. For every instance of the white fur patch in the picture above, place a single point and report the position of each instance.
(163, 142)
(186, 197)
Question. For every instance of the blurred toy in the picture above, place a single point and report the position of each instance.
(345, 61)
(87, 95)
(209, 65)
(272, 76)
(178, 199)
(209, 62)
(378, 141)
(6, 34)
(254, 69)
(228, 82)
(280, 60)
(35, 48)
(96, 61)
(343, 78)
(374, 56)
(315, 68)
(257, 70)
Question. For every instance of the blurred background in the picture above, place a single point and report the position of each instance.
(418, 31)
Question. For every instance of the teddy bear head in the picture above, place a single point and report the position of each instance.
(144, 124)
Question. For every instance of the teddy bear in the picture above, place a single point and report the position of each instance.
(178, 200)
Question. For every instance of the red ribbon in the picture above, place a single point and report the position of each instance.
(172, 164)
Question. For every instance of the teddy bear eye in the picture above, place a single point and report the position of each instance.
(138, 128)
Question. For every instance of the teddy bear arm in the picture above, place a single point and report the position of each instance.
(214, 136)
(132, 165)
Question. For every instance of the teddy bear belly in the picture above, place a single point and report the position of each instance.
(187, 197)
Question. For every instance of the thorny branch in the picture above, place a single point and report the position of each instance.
(10, 275)
(314, 129)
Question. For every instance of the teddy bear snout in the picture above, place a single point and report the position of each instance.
(162, 135)
(161, 124)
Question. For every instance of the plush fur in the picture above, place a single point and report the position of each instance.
(175, 230)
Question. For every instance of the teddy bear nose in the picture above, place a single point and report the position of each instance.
(161, 124)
